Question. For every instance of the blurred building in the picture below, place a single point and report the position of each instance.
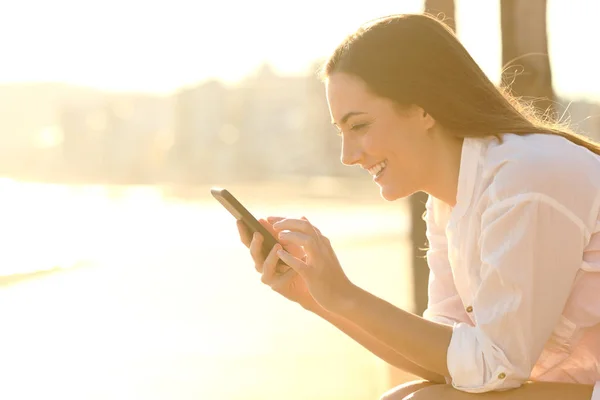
(139, 129)
(30, 134)
(200, 114)
(272, 124)
(115, 137)
(81, 124)
(268, 126)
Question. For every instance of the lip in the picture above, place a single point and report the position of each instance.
(378, 177)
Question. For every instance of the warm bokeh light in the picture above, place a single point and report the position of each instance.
(164, 45)
(120, 277)
(163, 302)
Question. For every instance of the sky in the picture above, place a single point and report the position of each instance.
(159, 46)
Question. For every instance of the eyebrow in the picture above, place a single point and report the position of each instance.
(346, 117)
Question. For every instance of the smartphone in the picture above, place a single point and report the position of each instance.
(240, 213)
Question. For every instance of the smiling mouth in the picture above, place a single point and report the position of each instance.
(377, 169)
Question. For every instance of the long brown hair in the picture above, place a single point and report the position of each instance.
(417, 59)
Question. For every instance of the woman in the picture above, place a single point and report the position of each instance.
(513, 224)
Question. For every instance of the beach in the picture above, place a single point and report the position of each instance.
(157, 299)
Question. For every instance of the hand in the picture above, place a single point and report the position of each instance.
(321, 270)
(289, 284)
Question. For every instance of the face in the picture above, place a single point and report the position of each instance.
(392, 144)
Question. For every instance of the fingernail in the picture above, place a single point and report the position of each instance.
(280, 252)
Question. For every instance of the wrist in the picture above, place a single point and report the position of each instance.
(312, 306)
(346, 301)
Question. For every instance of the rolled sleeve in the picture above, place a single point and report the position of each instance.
(476, 365)
(531, 248)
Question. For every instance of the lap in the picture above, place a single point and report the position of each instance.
(529, 391)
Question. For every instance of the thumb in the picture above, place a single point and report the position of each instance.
(296, 264)
(268, 226)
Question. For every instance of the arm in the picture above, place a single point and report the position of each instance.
(444, 305)
(531, 250)
(421, 341)
(534, 230)
(376, 347)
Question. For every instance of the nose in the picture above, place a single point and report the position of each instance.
(351, 152)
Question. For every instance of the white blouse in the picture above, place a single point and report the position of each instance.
(515, 265)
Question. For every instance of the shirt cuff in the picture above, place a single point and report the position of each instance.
(476, 365)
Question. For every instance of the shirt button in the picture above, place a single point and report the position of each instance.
(470, 309)
(501, 375)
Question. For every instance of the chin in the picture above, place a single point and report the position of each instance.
(391, 193)
(393, 189)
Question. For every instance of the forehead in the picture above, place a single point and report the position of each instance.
(346, 93)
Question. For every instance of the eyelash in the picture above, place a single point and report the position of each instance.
(354, 128)
(358, 127)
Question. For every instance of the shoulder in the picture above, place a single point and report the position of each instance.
(540, 163)
(543, 166)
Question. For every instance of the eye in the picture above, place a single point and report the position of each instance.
(358, 127)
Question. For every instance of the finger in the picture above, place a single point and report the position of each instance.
(282, 280)
(296, 264)
(270, 265)
(297, 238)
(268, 226)
(280, 268)
(297, 225)
(244, 232)
(256, 251)
(309, 243)
(274, 219)
(320, 237)
(293, 249)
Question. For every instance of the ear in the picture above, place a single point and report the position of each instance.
(427, 120)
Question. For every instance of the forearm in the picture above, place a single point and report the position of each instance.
(376, 347)
(421, 342)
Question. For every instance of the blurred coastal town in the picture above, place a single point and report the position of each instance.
(266, 127)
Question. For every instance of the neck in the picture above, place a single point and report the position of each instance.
(445, 171)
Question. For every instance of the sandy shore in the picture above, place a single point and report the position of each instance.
(168, 305)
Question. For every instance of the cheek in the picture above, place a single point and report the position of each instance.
(369, 144)
(405, 152)
(377, 143)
